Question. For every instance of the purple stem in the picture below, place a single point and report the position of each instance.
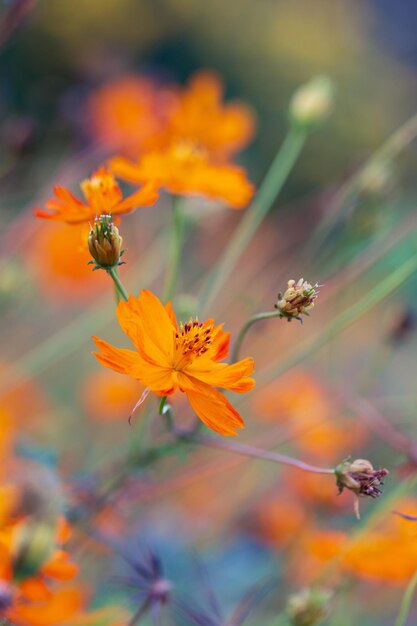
(257, 453)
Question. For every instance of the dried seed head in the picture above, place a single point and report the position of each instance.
(297, 300)
(361, 478)
(312, 103)
(308, 607)
(105, 243)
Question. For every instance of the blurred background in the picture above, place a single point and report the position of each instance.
(248, 521)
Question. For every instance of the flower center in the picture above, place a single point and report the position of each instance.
(193, 340)
(186, 150)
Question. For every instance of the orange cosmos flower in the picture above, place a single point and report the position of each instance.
(186, 358)
(185, 169)
(200, 116)
(103, 196)
(201, 135)
(386, 553)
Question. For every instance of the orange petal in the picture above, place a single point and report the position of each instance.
(59, 607)
(148, 324)
(125, 169)
(220, 374)
(145, 197)
(214, 409)
(60, 567)
(118, 359)
(157, 378)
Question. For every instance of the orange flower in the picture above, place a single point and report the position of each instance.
(31, 599)
(103, 196)
(186, 358)
(186, 169)
(200, 116)
(109, 397)
(128, 114)
(387, 552)
(201, 135)
(58, 258)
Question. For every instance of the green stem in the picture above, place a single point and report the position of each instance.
(165, 411)
(114, 274)
(175, 249)
(271, 186)
(389, 150)
(242, 333)
(406, 601)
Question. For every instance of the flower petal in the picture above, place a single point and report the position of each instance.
(145, 197)
(157, 378)
(214, 410)
(220, 374)
(147, 323)
(117, 359)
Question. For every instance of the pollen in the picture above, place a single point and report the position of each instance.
(194, 338)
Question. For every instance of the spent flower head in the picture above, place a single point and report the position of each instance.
(105, 243)
(297, 300)
(360, 477)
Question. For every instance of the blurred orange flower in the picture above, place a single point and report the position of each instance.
(38, 597)
(387, 552)
(186, 169)
(59, 258)
(128, 114)
(103, 196)
(194, 155)
(109, 397)
(200, 116)
(186, 358)
(299, 401)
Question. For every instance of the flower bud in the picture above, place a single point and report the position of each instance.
(105, 243)
(297, 300)
(34, 544)
(312, 103)
(308, 607)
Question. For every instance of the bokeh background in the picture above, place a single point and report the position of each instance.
(247, 521)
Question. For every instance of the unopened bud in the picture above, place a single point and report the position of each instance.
(33, 546)
(105, 243)
(308, 607)
(297, 300)
(361, 478)
(312, 103)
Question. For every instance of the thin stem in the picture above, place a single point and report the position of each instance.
(175, 249)
(268, 191)
(251, 451)
(390, 149)
(142, 610)
(166, 412)
(242, 333)
(406, 601)
(113, 273)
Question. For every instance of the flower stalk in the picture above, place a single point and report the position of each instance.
(251, 451)
(174, 250)
(259, 317)
(271, 186)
